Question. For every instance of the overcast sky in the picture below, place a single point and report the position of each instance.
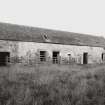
(83, 16)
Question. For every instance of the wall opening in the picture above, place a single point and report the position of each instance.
(42, 56)
(69, 58)
(85, 58)
(103, 56)
(4, 58)
(55, 57)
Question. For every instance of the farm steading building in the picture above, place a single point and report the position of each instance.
(28, 43)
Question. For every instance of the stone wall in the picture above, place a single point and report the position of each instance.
(31, 50)
(9, 46)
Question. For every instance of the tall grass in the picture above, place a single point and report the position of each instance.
(64, 89)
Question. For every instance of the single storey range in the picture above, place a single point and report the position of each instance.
(54, 46)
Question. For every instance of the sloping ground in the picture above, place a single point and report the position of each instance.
(25, 33)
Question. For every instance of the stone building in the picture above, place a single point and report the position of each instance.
(45, 45)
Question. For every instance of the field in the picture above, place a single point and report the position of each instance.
(52, 85)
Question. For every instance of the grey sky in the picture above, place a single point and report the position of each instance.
(83, 16)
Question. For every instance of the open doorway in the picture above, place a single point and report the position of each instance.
(55, 57)
(4, 58)
(85, 58)
(103, 56)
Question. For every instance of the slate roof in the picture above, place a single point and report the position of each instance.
(26, 33)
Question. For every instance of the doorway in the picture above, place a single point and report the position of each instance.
(55, 57)
(4, 57)
(85, 58)
(103, 56)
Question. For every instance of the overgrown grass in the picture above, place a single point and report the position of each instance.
(66, 88)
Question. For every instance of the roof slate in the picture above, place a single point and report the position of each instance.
(26, 33)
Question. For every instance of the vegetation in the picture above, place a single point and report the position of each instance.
(66, 88)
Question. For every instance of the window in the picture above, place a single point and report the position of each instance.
(55, 57)
(69, 55)
(42, 56)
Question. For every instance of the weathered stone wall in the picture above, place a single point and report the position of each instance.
(9, 46)
(30, 50)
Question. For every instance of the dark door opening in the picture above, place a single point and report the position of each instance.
(55, 57)
(4, 58)
(103, 56)
(85, 58)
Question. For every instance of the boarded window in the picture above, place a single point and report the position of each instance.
(42, 56)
